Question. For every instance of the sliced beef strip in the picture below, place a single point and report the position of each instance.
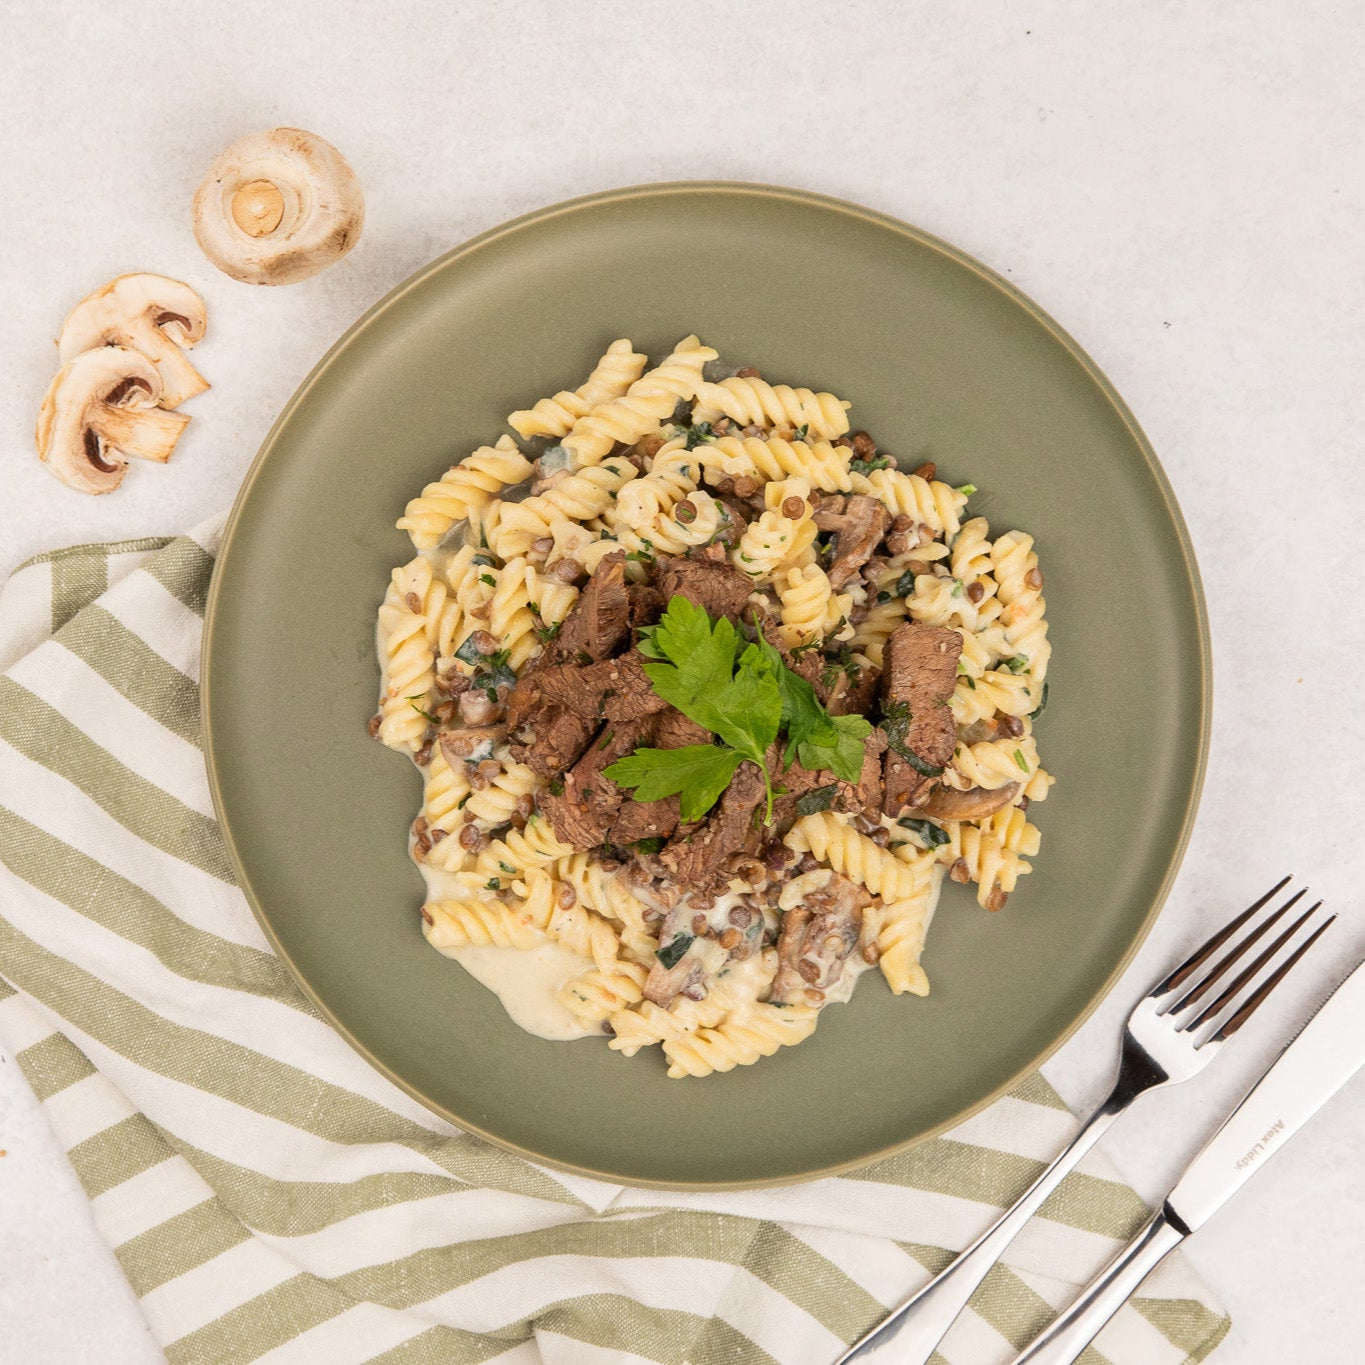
(858, 530)
(630, 695)
(918, 676)
(654, 819)
(553, 712)
(646, 604)
(695, 856)
(582, 689)
(798, 781)
(816, 941)
(554, 741)
(721, 589)
(851, 693)
(864, 797)
(586, 809)
(600, 620)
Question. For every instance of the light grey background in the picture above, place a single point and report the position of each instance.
(1179, 184)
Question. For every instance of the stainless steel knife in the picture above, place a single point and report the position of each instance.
(1312, 1067)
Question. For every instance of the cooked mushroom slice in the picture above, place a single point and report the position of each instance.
(101, 409)
(277, 207)
(822, 924)
(160, 317)
(945, 803)
(858, 522)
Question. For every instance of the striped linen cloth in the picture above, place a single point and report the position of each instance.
(272, 1198)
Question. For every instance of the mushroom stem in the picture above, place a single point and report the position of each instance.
(144, 433)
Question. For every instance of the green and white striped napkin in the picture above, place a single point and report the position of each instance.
(272, 1198)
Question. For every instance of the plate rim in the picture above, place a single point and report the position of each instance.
(920, 237)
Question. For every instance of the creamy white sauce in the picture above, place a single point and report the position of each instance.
(528, 982)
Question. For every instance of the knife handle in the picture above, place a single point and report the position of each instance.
(1071, 1333)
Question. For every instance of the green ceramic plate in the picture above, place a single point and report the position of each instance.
(943, 360)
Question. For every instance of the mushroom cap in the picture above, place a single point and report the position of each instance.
(262, 239)
(100, 409)
(153, 314)
(948, 803)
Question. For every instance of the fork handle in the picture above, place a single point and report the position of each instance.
(909, 1335)
(1071, 1333)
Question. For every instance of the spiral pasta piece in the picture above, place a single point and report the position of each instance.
(644, 407)
(551, 600)
(575, 927)
(597, 995)
(934, 504)
(992, 763)
(674, 472)
(576, 497)
(496, 803)
(855, 855)
(773, 542)
(877, 626)
(618, 369)
(444, 789)
(415, 597)
(970, 558)
(825, 465)
(478, 924)
(810, 609)
(510, 617)
(753, 402)
(1021, 594)
(666, 534)
(901, 929)
(985, 860)
(979, 698)
(610, 895)
(648, 1023)
(462, 490)
(520, 850)
(941, 601)
(739, 1040)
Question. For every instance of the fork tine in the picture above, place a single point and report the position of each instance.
(1201, 955)
(1235, 1021)
(1210, 1012)
(1256, 936)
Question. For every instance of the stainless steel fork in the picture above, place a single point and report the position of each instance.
(1172, 1034)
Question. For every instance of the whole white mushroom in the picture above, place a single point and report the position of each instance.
(277, 207)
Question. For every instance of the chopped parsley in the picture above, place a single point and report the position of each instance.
(929, 834)
(675, 950)
(870, 466)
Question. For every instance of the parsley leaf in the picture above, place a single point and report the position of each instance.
(697, 773)
(818, 739)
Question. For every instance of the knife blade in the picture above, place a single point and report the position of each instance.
(1310, 1069)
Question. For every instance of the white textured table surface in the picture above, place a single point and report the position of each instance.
(1182, 190)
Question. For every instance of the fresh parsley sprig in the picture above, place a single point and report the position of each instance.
(741, 692)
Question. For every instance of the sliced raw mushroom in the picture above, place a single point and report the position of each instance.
(976, 803)
(160, 317)
(101, 410)
(277, 207)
